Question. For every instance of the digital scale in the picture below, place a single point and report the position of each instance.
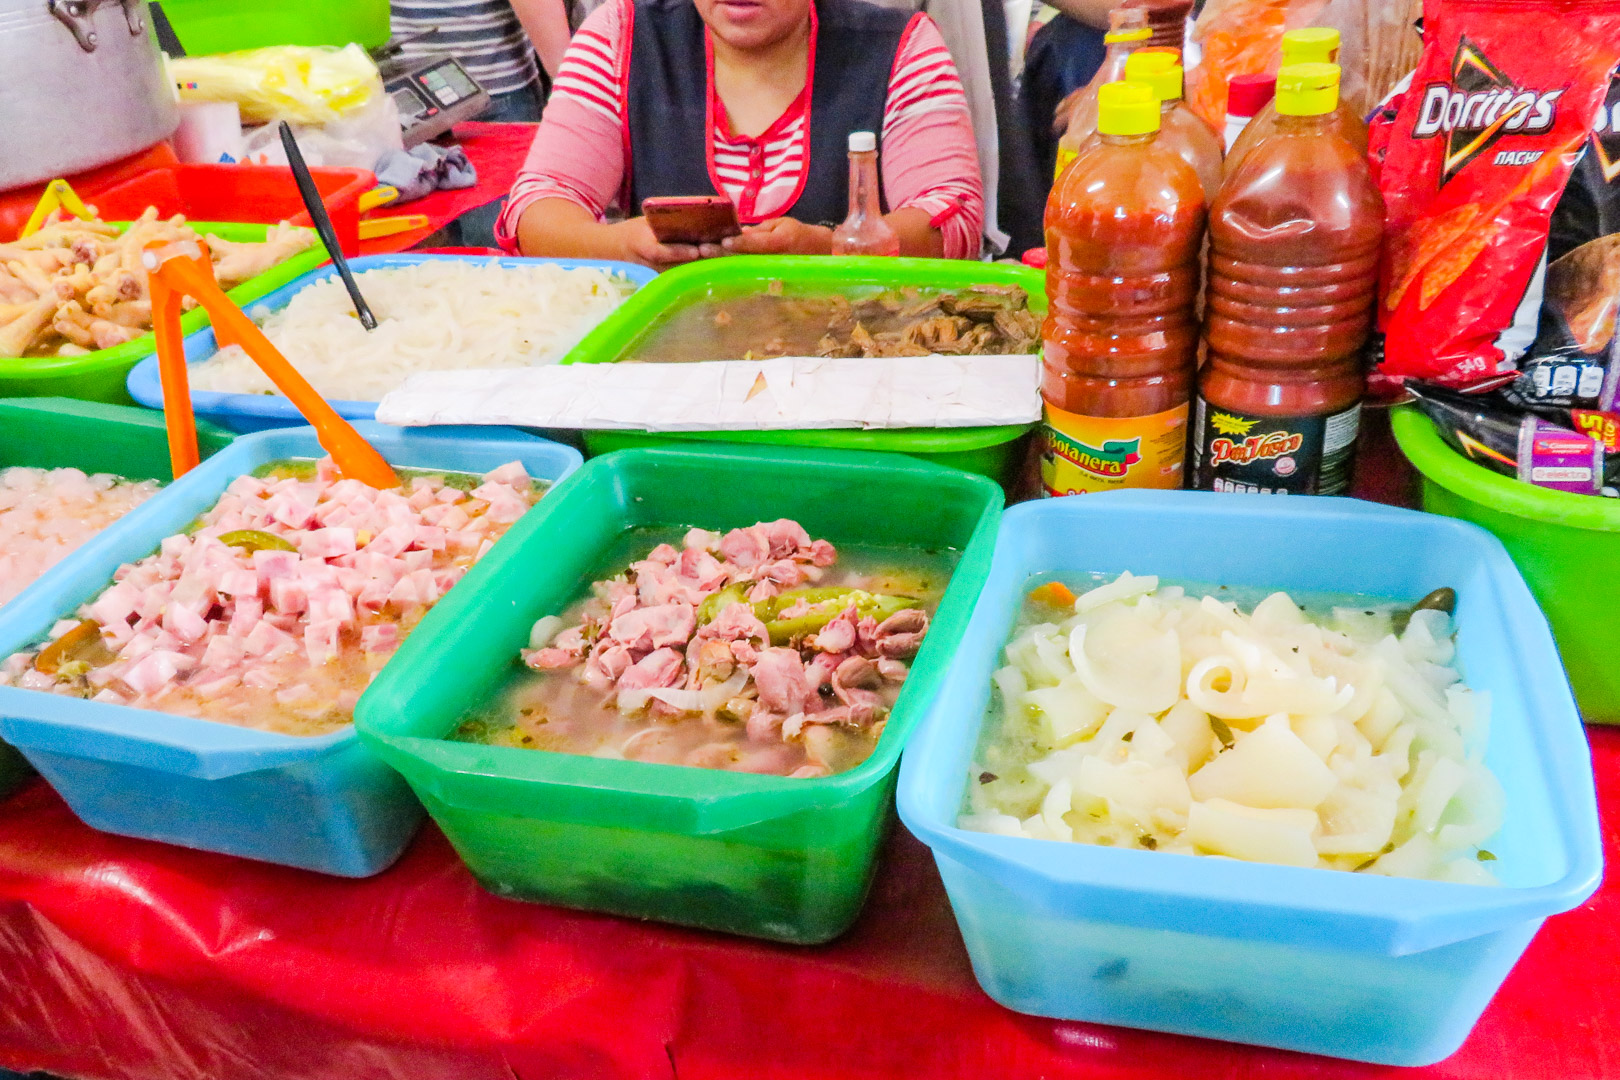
(433, 93)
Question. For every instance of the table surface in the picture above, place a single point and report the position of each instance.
(127, 959)
(495, 150)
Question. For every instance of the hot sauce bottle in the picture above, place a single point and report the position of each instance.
(864, 232)
(1127, 31)
(1294, 244)
(1307, 45)
(1123, 229)
(1181, 129)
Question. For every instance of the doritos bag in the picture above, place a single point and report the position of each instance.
(1478, 154)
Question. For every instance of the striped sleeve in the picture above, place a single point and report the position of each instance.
(578, 149)
(929, 159)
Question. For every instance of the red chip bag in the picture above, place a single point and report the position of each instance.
(1473, 162)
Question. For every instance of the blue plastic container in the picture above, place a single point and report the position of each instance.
(258, 412)
(323, 803)
(1373, 968)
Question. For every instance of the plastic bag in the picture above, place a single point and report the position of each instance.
(1575, 359)
(1240, 37)
(355, 141)
(1380, 45)
(299, 84)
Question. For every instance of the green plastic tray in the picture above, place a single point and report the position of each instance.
(100, 375)
(788, 860)
(1565, 545)
(989, 451)
(59, 433)
(217, 26)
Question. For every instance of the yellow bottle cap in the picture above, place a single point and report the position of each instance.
(1307, 89)
(1114, 37)
(1126, 108)
(1160, 50)
(1158, 72)
(1310, 45)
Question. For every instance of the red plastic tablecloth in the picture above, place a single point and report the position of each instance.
(126, 959)
(495, 150)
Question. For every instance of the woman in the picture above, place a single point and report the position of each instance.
(755, 100)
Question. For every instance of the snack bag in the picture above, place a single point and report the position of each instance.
(1575, 361)
(1478, 154)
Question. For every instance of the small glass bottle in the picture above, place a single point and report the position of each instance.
(864, 232)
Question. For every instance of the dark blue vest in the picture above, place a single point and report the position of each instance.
(667, 102)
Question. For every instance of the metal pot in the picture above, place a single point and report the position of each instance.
(82, 84)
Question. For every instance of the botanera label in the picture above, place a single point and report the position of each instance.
(1081, 454)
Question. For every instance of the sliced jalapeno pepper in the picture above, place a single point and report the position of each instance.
(82, 643)
(257, 540)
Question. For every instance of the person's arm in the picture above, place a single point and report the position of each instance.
(546, 23)
(563, 229)
(787, 236)
(1091, 12)
(576, 163)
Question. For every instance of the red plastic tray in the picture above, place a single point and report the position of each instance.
(256, 193)
(17, 205)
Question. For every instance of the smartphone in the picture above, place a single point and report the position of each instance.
(691, 219)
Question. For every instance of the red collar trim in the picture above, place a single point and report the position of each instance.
(717, 123)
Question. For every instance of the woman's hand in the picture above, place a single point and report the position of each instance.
(640, 245)
(780, 236)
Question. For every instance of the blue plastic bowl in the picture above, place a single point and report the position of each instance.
(258, 412)
(1378, 969)
(323, 803)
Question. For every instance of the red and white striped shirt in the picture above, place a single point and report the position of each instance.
(928, 156)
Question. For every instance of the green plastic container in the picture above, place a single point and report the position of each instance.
(788, 860)
(990, 451)
(100, 375)
(58, 433)
(1566, 546)
(217, 26)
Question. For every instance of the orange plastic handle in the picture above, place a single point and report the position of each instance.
(354, 456)
(171, 351)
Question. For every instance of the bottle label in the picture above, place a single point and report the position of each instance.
(1081, 454)
(1064, 156)
(1273, 455)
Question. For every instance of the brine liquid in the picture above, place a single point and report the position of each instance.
(861, 321)
(283, 691)
(555, 711)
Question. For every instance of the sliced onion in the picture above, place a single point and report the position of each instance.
(1226, 704)
(1152, 686)
(545, 630)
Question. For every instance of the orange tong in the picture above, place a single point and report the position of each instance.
(172, 276)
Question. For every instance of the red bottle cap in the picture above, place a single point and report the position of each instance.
(1035, 257)
(1248, 94)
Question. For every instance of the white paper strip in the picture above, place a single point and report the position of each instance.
(731, 395)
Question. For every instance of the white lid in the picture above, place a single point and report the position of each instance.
(862, 142)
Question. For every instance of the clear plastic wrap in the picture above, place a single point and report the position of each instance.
(1380, 46)
(1241, 37)
(299, 84)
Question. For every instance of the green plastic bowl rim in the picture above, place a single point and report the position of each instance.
(1421, 443)
(26, 368)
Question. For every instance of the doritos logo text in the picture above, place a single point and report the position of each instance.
(1479, 106)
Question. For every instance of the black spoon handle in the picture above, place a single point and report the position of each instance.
(323, 224)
